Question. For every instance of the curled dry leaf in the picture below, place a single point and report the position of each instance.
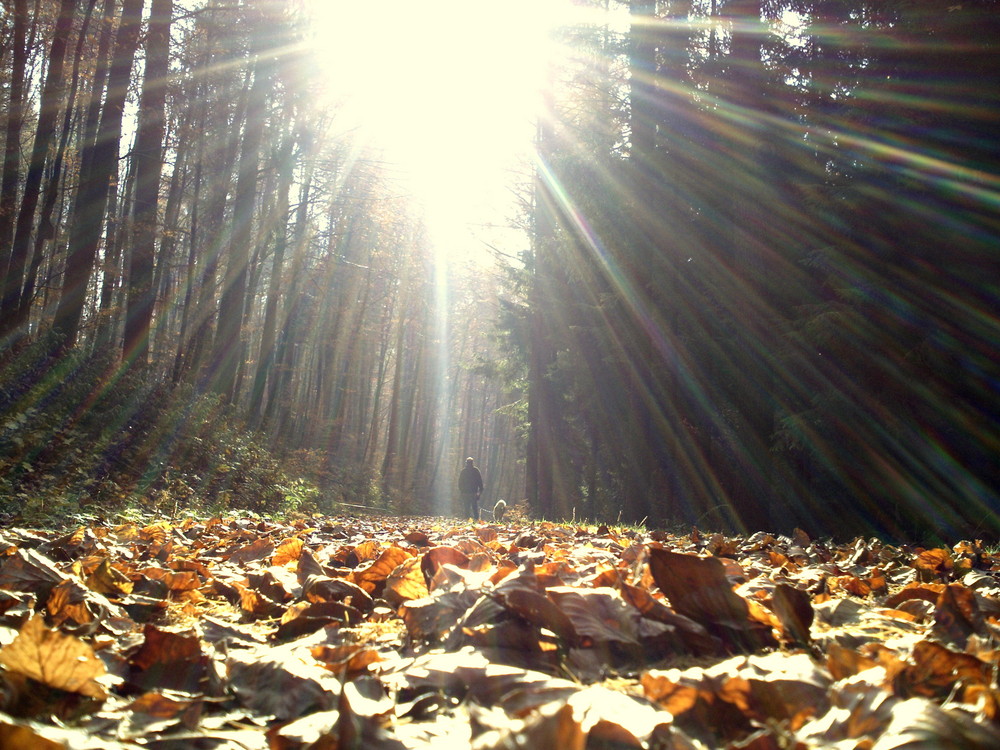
(108, 580)
(326, 589)
(15, 736)
(349, 659)
(27, 570)
(793, 609)
(433, 617)
(373, 578)
(278, 683)
(599, 617)
(406, 582)
(918, 723)
(957, 616)
(540, 611)
(308, 617)
(317, 731)
(433, 559)
(253, 552)
(156, 712)
(934, 564)
(934, 670)
(287, 551)
(168, 659)
(308, 565)
(698, 588)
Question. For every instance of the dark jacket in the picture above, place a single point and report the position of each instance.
(470, 481)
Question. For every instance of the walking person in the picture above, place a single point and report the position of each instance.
(470, 487)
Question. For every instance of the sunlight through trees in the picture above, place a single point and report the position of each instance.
(729, 263)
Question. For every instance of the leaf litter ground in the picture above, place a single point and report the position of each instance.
(412, 633)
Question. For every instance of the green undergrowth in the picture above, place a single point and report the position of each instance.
(80, 440)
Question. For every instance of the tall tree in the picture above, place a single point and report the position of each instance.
(148, 156)
(92, 194)
(12, 135)
(47, 230)
(45, 132)
(228, 336)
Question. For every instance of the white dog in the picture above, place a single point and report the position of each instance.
(499, 509)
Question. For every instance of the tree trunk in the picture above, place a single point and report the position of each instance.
(279, 388)
(227, 346)
(148, 157)
(164, 280)
(265, 359)
(46, 229)
(92, 193)
(45, 131)
(12, 137)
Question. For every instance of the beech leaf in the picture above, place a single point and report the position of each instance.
(55, 659)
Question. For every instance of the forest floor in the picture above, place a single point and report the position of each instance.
(340, 633)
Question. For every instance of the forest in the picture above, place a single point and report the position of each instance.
(750, 280)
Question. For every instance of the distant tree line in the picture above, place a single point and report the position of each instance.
(763, 290)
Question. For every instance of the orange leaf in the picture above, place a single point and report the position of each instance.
(372, 579)
(698, 588)
(54, 659)
(253, 552)
(435, 557)
(406, 582)
(108, 580)
(287, 551)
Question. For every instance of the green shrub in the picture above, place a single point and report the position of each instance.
(78, 436)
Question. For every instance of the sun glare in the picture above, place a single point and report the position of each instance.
(447, 91)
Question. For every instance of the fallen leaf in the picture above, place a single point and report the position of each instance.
(698, 588)
(275, 682)
(168, 660)
(373, 578)
(55, 659)
(406, 582)
(27, 570)
(287, 551)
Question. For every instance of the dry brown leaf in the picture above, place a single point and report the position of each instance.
(373, 578)
(54, 659)
(287, 551)
(432, 560)
(307, 617)
(698, 588)
(155, 712)
(308, 565)
(934, 670)
(253, 552)
(794, 611)
(846, 662)
(168, 659)
(934, 564)
(918, 723)
(599, 616)
(27, 570)
(351, 659)
(406, 582)
(108, 580)
(19, 737)
(326, 589)
(184, 580)
(273, 682)
(957, 616)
